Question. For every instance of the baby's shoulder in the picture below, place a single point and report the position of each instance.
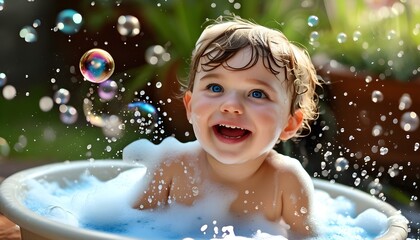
(288, 168)
(169, 150)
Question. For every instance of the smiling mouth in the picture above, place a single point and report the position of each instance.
(231, 132)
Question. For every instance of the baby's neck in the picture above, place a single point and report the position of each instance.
(233, 173)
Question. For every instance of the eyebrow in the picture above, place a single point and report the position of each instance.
(252, 80)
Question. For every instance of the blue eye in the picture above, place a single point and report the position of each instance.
(215, 88)
(257, 94)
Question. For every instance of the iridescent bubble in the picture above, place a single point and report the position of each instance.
(1, 5)
(405, 102)
(62, 96)
(341, 37)
(69, 21)
(29, 34)
(144, 114)
(357, 35)
(341, 164)
(96, 65)
(68, 114)
(313, 21)
(409, 121)
(107, 90)
(157, 55)
(128, 25)
(377, 96)
(3, 79)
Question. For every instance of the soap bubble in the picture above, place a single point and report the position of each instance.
(157, 55)
(341, 164)
(409, 121)
(313, 21)
(29, 34)
(405, 102)
(313, 36)
(3, 79)
(128, 26)
(9, 92)
(62, 96)
(375, 187)
(1, 5)
(356, 35)
(46, 104)
(377, 96)
(144, 114)
(107, 90)
(341, 38)
(97, 65)
(68, 114)
(69, 21)
(377, 130)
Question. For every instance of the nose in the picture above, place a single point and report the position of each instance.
(232, 104)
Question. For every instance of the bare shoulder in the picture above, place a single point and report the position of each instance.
(290, 169)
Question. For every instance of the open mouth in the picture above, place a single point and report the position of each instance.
(231, 132)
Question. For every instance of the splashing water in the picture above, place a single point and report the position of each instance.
(97, 65)
(409, 121)
(144, 114)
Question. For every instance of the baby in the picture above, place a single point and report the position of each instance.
(248, 89)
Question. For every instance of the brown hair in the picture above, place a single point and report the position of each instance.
(222, 39)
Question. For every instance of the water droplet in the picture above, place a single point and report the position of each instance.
(29, 34)
(158, 85)
(46, 104)
(313, 21)
(383, 151)
(62, 96)
(341, 164)
(144, 114)
(9, 92)
(69, 21)
(341, 38)
(128, 25)
(68, 114)
(375, 187)
(391, 34)
(356, 35)
(377, 96)
(416, 146)
(405, 102)
(409, 121)
(107, 90)
(3, 79)
(97, 65)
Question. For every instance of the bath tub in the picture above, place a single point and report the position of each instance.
(36, 227)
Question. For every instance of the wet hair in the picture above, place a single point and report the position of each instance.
(226, 36)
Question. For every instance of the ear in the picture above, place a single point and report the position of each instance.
(187, 104)
(293, 125)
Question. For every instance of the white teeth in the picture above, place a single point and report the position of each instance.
(233, 127)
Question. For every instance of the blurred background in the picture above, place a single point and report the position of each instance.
(367, 52)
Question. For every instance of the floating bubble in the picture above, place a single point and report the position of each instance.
(157, 55)
(9, 92)
(357, 35)
(313, 21)
(391, 34)
(4, 148)
(144, 114)
(107, 90)
(341, 38)
(62, 96)
(313, 36)
(1, 5)
(3, 79)
(375, 187)
(377, 96)
(69, 21)
(377, 130)
(405, 102)
(341, 164)
(128, 26)
(409, 121)
(96, 65)
(29, 34)
(46, 104)
(68, 114)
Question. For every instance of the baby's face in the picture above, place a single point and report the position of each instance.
(238, 116)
